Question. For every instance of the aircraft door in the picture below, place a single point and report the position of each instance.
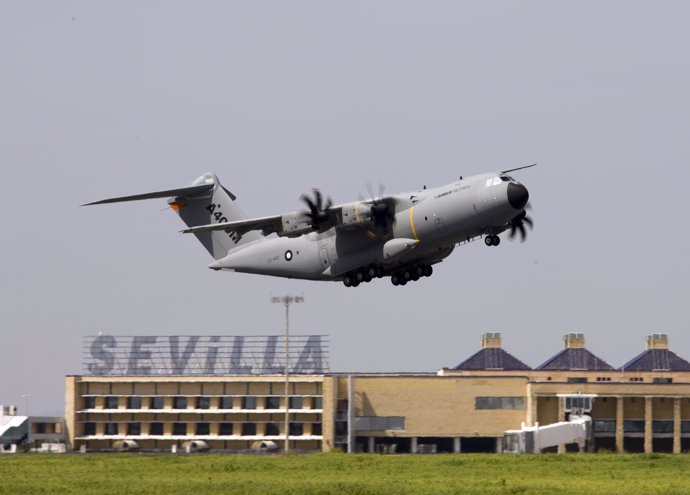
(440, 225)
(323, 255)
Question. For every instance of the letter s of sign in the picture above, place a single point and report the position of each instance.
(99, 352)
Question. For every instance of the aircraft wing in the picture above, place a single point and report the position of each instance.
(267, 225)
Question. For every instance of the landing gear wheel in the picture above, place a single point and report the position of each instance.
(419, 270)
(407, 275)
(428, 270)
(355, 283)
(372, 271)
(347, 281)
(403, 282)
(497, 240)
(360, 276)
(395, 279)
(380, 272)
(367, 277)
(489, 240)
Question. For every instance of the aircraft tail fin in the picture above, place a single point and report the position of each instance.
(204, 202)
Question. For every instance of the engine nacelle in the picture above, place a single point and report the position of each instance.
(356, 215)
(295, 224)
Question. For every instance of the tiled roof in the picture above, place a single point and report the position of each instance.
(656, 359)
(492, 359)
(575, 359)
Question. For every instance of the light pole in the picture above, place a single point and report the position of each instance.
(287, 300)
(26, 398)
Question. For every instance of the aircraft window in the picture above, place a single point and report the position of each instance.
(497, 181)
(504, 178)
(489, 182)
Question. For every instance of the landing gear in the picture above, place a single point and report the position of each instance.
(492, 240)
(411, 274)
(363, 275)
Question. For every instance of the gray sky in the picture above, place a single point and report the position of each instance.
(100, 99)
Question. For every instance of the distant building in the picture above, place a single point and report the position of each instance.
(642, 407)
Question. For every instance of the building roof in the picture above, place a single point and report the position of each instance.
(492, 359)
(575, 359)
(656, 360)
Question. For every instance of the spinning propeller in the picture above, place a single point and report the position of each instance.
(382, 209)
(518, 224)
(318, 212)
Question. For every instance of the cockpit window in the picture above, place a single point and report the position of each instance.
(505, 179)
(493, 181)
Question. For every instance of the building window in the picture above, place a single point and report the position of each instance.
(225, 429)
(272, 403)
(179, 402)
(685, 426)
(89, 403)
(662, 426)
(636, 379)
(248, 429)
(111, 428)
(249, 402)
(203, 429)
(226, 403)
(577, 379)
(604, 425)
(296, 402)
(272, 429)
(156, 428)
(296, 429)
(603, 378)
(134, 402)
(316, 429)
(317, 403)
(89, 428)
(157, 403)
(179, 428)
(133, 428)
(111, 402)
(499, 403)
(659, 379)
(633, 426)
(203, 402)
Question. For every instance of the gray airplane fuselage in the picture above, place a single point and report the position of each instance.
(432, 220)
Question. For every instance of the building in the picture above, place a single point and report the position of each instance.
(644, 406)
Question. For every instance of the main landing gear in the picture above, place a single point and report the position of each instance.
(411, 274)
(492, 240)
(363, 275)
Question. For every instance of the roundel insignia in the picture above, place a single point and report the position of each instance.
(288, 255)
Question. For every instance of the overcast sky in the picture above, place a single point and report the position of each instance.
(100, 99)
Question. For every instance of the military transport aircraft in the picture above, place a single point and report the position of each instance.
(400, 235)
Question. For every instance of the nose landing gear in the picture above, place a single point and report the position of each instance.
(492, 240)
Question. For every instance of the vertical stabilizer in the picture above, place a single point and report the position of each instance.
(215, 205)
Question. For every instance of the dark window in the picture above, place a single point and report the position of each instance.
(89, 403)
(225, 429)
(316, 429)
(663, 380)
(499, 403)
(203, 429)
(179, 428)
(89, 428)
(577, 379)
(340, 428)
(272, 429)
(133, 428)
(249, 402)
(226, 402)
(296, 402)
(317, 402)
(296, 429)
(633, 426)
(179, 402)
(662, 426)
(111, 402)
(157, 403)
(685, 426)
(272, 402)
(134, 402)
(203, 402)
(248, 428)
(156, 429)
(111, 428)
(604, 425)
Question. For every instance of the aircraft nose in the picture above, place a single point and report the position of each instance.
(517, 196)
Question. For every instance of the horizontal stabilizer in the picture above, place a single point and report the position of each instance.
(184, 191)
(266, 224)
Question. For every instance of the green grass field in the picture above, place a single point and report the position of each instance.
(111, 474)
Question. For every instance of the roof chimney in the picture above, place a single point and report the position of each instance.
(657, 341)
(491, 340)
(574, 340)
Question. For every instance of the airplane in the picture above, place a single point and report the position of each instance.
(400, 236)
